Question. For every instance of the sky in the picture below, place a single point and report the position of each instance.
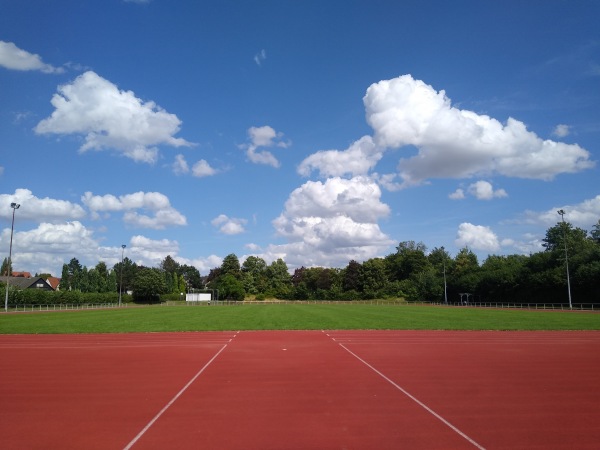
(318, 132)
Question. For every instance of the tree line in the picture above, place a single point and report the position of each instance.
(416, 274)
(412, 272)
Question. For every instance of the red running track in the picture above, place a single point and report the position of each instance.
(301, 390)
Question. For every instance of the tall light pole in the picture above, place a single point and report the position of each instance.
(14, 207)
(445, 290)
(121, 282)
(562, 215)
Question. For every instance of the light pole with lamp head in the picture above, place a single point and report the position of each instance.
(121, 281)
(14, 207)
(562, 215)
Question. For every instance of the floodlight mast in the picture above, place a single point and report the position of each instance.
(561, 213)
(121, 281)
(14, 207)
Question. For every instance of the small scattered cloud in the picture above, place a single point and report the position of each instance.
(14, 58)
(260, 57)
(200, 169)
(180, 165)
(481, 190)
(459, 194)
(561, 130)
(229, 225)
(111, 118)
(261, 137)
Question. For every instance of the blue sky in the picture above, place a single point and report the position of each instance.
(313, 131)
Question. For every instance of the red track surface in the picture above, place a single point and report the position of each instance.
(301, 390)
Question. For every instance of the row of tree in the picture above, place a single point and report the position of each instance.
(416, 274)
(411, 272)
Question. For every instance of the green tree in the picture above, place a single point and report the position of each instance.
(595, 233)
(278, 279)
(373, 277)
(5, 269)
(254, 275)
(231, 266)
(191, 276)
(409, 259)
(127, 272)
(148, 285)
(169, 265)
(555, 237)
(230, 287)
(351, 277)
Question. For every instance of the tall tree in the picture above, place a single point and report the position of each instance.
(278, 276)
(169, 265)
(555, 237)
(595, 233)
(409, 258)
(148, 285)
(5, 269)
(191, 276)
(231, 265)
(351, 277)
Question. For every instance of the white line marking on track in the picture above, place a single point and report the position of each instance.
(168, 405)
(413, 398)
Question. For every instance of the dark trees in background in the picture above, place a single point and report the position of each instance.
(410, 272)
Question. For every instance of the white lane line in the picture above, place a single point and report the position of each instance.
(417, 401)
(168, 405)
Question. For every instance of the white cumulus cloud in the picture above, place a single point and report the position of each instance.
(584, 214)
(39, 209)
(261, 137)
(200, 168)
(161, 213)
(455, 143)
(477, 237)
(331, 222)
(561, 130)
(111, 118)
(361, 157)
(14, 58)
(483, 190)
(229, 225)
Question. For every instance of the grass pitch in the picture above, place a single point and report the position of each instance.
(293, 317)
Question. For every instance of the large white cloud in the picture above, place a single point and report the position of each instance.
(455, 143)
(14, 58)
(331, 222)
(39, 209)
(158, 205)
(47, 247)
(111, 119)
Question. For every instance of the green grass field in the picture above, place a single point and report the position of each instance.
(293, 317)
